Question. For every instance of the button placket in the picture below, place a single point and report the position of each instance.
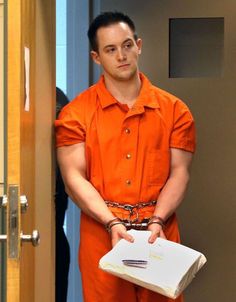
(129, 143)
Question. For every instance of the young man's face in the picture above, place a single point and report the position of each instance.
(118, 51)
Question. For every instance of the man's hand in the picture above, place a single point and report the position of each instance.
(157, 231)
(119, 232)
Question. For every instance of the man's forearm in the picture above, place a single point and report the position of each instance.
(72, 164)
(172, 194)
(90, 201)
(83, 193)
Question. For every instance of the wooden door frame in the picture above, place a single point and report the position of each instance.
(2, 189)
(42, 77)
(45, 99)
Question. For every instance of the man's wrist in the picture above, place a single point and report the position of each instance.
(112, 223)
(155, 219)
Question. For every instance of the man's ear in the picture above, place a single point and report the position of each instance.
(95, 57)
(139, 43)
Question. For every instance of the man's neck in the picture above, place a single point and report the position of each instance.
(125, 92)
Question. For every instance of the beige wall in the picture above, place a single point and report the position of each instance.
(208, 213)
(1, 100)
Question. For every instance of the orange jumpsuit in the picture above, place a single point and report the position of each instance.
(128, 161)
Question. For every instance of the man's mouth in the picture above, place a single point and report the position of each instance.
(123, 65)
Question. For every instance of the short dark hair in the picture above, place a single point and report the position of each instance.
(105, 19)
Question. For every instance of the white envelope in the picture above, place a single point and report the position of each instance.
(170, 266)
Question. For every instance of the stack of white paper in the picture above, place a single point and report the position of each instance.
(170, 266)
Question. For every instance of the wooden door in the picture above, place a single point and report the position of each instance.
(30, 95)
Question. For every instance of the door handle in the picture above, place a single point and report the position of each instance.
(34, 238)
(3, 238)
(13, 201)
(23, 202)
(3, 201)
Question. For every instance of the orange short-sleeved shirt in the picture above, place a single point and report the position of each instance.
(127, 150)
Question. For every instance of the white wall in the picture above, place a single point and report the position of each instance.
(61, 44)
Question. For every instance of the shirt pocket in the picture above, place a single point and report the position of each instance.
(158, 167)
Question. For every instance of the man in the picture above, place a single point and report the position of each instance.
(124, 149)
(61, 204)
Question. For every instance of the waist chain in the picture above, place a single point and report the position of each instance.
(133, 210)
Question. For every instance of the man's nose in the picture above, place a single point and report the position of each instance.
(121, 56)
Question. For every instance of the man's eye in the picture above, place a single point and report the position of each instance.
(110, 50)
(128, 45)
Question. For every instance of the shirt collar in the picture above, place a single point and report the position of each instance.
(105, 98)
(146, 98)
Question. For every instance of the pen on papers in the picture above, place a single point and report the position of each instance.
(135, 263)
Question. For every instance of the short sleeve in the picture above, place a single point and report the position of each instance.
(69, 127)
(183, 134)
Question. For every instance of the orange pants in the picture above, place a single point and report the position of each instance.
(99, 286)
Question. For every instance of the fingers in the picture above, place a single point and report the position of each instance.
(116, 239)
(153, 237)
(128, 237)
(156, 232)
(119, 232)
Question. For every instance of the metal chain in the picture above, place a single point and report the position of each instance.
(130, 207)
